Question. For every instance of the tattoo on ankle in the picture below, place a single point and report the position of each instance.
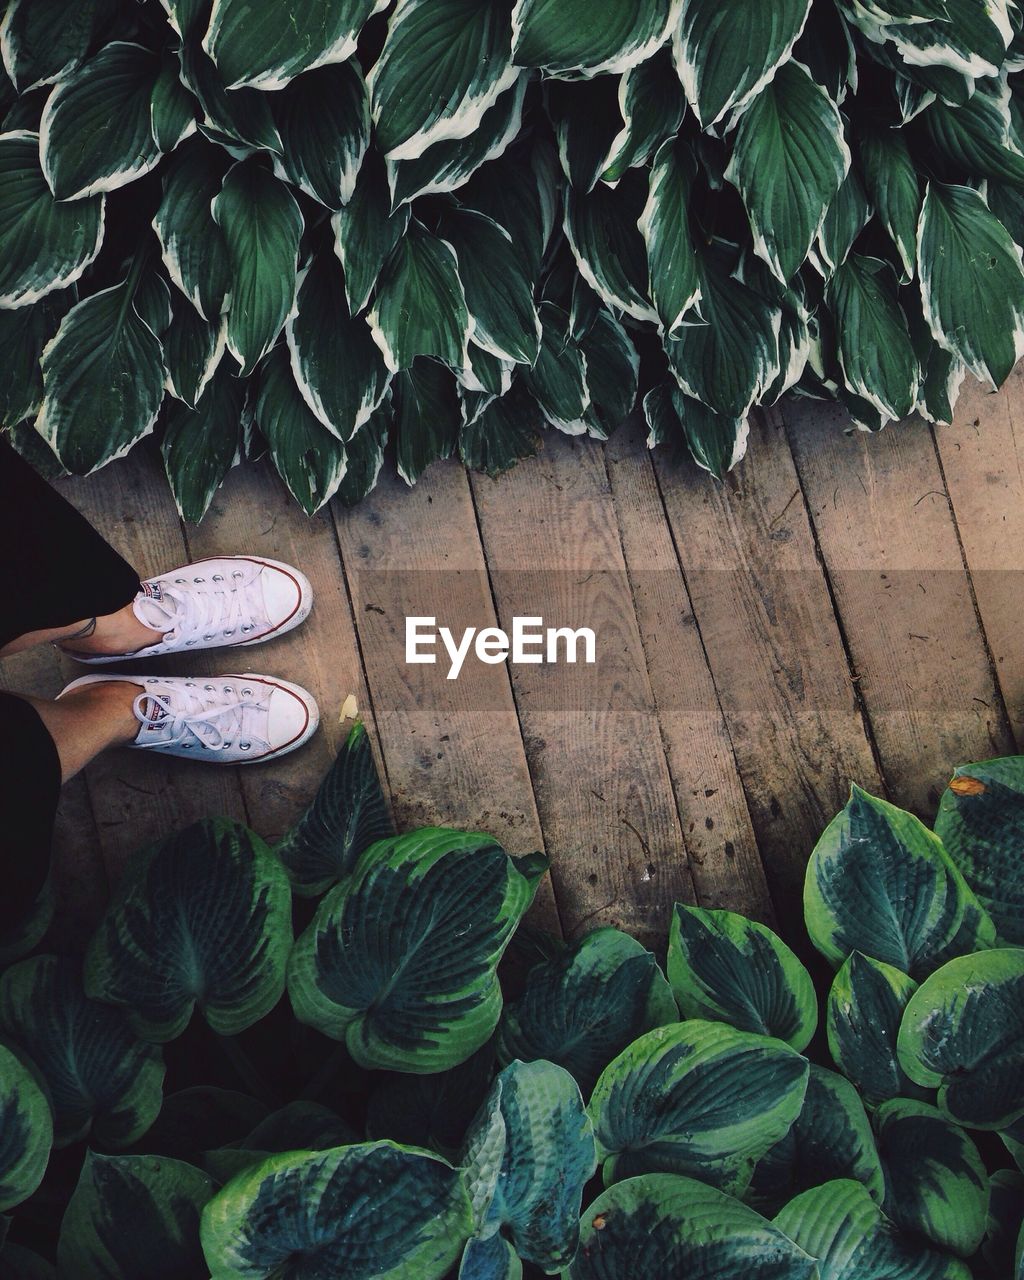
(86, 631)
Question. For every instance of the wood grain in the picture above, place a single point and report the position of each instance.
(889, 544)
(453, 749)
(982, 456)
(592, 735)
(774, 647)
(724, 858)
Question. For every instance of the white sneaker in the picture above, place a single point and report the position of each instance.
(218, 719)
(227, 601)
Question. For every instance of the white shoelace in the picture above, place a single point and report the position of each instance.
(212, 717)
(225, 607)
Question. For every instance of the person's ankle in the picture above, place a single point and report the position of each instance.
(113, 633)
(114, 701)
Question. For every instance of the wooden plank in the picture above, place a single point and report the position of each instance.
(775, 650)
(592, 736)
(453, 748)
(137, 797)
(982, 457)
(253, 514)
(888, 540)
(79, 875)
(724, 859)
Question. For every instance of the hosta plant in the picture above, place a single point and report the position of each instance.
(313, 229)
(244, 1082)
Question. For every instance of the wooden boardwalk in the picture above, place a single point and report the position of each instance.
(849, 607)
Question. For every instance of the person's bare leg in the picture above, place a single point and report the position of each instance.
(89, 720)
(119, 632)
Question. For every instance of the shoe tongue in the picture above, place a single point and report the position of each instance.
(151, 609)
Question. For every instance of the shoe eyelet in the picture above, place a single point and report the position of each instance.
(179, 581)
(228, 689)
(244, 746)
(209, 637)
(246, 630)
(189, 642)
(198, 579)
(151, 680)
(208, 688)
(190, 684)
(246, 693)
(218, 577)
(230, 633)
(237, 573)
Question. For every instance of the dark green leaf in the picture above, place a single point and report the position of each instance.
(194, 251)
(589, 36)
(602, 229)
(201, 445)
(26, 1131)
(894, 189)
(324, 122)
(427, 417)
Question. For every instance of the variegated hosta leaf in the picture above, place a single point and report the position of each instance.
(400, 960)
(728, 361)
(936, 1183)
(160, 949)
(558, 381)
(716, 442)
(241, 119)
(44, 245)
(942, 373)
(427, 417)
(26, 1131)
(972, 283)
(527, 1158)
(261, 223)
(347, 815)
(894, 189)
(981, 823)
(875, 351)
(881, 883)
(193, 349)
(697, 1098)
(193, 247)
(172, 108)
(504, 431)
(324, 122)
(201, 445)
(499, 292)
(490, 1259)
(103, 381)
(788, 162)
(336, 364)
(41, 40)
(446, 165)
(266, 45)
(443, 64)
(311, 460)
(101, 1080)
(973, 138)
(520, 191)
(613, 368)
(865, 1008)
(830, 1138)
(847, 216)
(660, 1225)
(431, 1111)
(303, 1214)
(602, 230)
(589, 36)
(366, 231)
(24, 332)
(97, 132)
(969, 38)
(851, 1238)
(1005, 1219)
(298, 1126)
(587, 120)
(673, 268)
(134, 1216)
(364, 456)
(583, 1008)
(963, 1033)
(726, 52)
(420, 305)
(726, 968)
(653, 106)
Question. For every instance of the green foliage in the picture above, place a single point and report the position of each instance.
(726, 1145)
(449, 221)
